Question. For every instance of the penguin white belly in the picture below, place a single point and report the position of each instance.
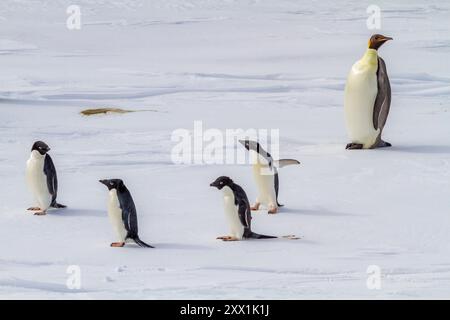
(115, 215)
(232, 214)
(37, 182)
(265, 182)
(360, 94)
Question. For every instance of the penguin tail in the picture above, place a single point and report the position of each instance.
(141, 243)
(58, 205)
(260, 236)
(279, 204)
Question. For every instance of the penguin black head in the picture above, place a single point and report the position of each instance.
(251, 145)
(40, 147)
(377, 41)
(221, 182)
(113, 184)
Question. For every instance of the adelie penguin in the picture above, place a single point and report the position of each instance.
(42, 179)
(122, 213)
(368, 98)
(237, 211)
(265, 172)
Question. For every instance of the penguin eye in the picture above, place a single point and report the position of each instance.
(221, 182)
(111, 183)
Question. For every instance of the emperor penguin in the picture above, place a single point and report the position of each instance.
(368, 98)
(265, 172)
(122, 213)
(42, 179)
(237, 211)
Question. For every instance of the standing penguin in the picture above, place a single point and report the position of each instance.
(368, 98)
(265, 173)
(122, 213)
(237, 210)
(42, 179)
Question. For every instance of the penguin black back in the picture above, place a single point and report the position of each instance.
(129, 213)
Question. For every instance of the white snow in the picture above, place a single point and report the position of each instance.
(232, 64)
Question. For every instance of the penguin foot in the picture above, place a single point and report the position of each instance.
(291, 237)
(354, 146)
(255, 206)
(117, 244)
(231, 239)
(40, 213)
(223, 237)
(34, 209)
(227, 238)
(273, 210)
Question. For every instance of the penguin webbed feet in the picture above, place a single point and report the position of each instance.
(354, 146)
(272, 210)
(34, 209)
(117, 244)
(40, 213)
(255, 206)
(227, 238)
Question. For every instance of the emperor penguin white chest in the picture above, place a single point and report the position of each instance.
(37, 180)
(265, 180)
(360, 94)
(232, 213)
(115, 215)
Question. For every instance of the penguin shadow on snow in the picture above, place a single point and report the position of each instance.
(423, 149)
(73, 212)
(316, 212)
(179, 246)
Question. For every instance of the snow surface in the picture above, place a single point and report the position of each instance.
(232, 64)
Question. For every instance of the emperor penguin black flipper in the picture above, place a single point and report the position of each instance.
(265, 172)
(237, 210)
(382, 102)
(122, 213)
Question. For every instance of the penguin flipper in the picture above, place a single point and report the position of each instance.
(285, 162)
(383, 99)
(277, 187)
(129, 214)
(52, 179)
